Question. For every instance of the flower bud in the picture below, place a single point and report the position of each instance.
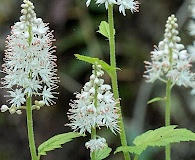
(4, 108)
(19, 112)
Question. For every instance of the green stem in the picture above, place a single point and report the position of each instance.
(136, 157)
(114, 77)
(30, 128)
(167, 116)
(93, 136)
(93, 130)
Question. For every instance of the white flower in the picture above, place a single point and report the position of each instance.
(29, 63)
(128, 4)
(107, 2)
(123, 4)
(83, 118)
(107, 116)
(96, 144)
(17, 97)
(94, 106)
(170, 61)
(47, 95)
(88, 3)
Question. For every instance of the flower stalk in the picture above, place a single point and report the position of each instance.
(114, 76)
(168, 116)
(30, 128)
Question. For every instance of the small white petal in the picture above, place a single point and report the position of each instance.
(88, 3)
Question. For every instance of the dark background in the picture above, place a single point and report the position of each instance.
(75, 28)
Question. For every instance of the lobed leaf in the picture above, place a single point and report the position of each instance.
(103, 153)
(132, 149)
(56, 142)
(158, 137)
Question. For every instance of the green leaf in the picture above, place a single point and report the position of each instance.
(156, 99)
(104, 29)
(103, 153)
(56, 142)
(132, 149)
(109, 69)
(158, 137)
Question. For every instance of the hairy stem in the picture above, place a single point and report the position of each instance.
(114, 76)
(30, 129)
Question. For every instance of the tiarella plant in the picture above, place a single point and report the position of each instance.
(170, 63)
(30, 72)
(29, 63)
(30, 68)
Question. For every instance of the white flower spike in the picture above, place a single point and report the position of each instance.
(94, 106)
(29, 63)
(170, 60)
